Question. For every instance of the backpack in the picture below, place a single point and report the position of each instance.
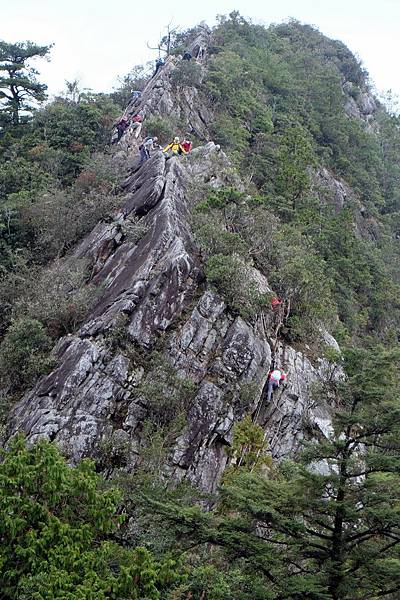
(276, 375)
(147, 142)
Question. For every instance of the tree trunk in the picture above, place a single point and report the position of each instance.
(336, 554)
(15, 105)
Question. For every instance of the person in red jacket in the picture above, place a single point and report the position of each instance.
(275, 378)
(275, 302)
(186, 145)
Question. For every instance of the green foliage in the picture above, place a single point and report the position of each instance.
(163, 127)
(222, 225)
(56, 529)
(59, 297)
(248, 448)
(205, 582)
(327, 527)
(19, 88)
(136, 79)
(59, 218)
(234, 282)
(272, 88)
(54, 188)
(158, 440)
(299, 276)
(187, 73)
(166, 395)
(72, 132)
(296, 74)
(58, 145)
(295, 156)
(234, 231)
(24, 353)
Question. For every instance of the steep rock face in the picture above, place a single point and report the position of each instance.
(162, 97)
(152, 290)
(156, 285)
(360, 104)
(332, 190)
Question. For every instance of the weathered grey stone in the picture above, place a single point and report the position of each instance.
(294, 409)
(331, 189)
(360, 104)
(154, 288)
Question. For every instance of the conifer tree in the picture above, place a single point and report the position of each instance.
(19, 87)
(329, 527)
(57, 530)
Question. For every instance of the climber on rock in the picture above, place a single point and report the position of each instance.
(145, 149)
(275, 378)
(187, 146)
(187, 55)
(175, 148)
(159, 63)
(136, 127)
(121, 125)
(275, 302)
(199, 52)
(136, 94)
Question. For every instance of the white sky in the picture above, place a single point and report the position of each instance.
(97, 40)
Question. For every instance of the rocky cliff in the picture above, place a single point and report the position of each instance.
(153, 295)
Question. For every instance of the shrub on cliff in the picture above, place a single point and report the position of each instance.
(24, 353)
(187, 73)
(234, 281)
(59, 297)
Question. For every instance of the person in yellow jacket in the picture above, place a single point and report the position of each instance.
(175, 147)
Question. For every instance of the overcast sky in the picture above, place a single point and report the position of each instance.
(98, 40)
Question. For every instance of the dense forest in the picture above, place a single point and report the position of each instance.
(290, 107)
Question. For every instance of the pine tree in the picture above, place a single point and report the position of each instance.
(328, 527)
(18, 84)
(335, 521)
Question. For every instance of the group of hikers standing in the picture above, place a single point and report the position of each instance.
(175, 148)
(150, 144)
(125, 122)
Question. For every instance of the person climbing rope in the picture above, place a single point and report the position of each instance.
(275, 377)
(187, 146)
(121, 125)
(136, 94)
(187, 55)
(175, 148)
(146, 148)
(159, 63)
